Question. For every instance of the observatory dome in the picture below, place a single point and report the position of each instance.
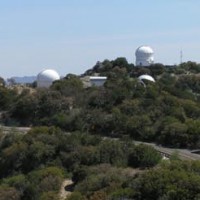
(144, 56)
(146, 77)
(46, 77)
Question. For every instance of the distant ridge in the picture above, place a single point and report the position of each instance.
(24, 79)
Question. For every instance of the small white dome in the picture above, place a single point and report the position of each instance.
(144, 56)
(146, 77)
(46, 77)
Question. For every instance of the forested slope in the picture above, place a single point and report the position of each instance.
(70, 123)
(166, 112)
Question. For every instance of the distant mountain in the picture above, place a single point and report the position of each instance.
(24, 79)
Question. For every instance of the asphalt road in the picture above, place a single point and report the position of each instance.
(183, 154)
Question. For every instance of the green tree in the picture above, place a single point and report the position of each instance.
(75, 196)
(167, 183)
(49, 196)
(144, 156)
(174, 134)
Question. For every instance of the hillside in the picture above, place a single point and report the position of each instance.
(70, 123)
(166, 112)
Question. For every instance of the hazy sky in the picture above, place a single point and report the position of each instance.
(70, 36)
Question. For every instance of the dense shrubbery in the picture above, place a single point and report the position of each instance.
(171, 180)
(34, 185)
(167, 112)
(32, 165)
(44, 146)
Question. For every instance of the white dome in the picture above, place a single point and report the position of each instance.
(144, 56)
(146, 77)
(46, 77)
(144, 50)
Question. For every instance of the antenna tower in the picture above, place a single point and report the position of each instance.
(181, 56)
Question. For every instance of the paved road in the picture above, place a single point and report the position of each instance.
(183, 154)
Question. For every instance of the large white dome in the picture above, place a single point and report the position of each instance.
(144, 56)
(46, 77)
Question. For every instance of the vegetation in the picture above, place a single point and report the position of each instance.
(161, 112)
(33, 165)
(87, 134)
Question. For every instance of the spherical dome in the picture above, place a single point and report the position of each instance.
(146, 77)
(46, 77)
(144, 50)
(144, 56)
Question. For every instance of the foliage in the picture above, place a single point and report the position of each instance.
(39, 184)
(123, 105)
(168, 183)
(144, 156)
(7, 97)
(73, 124)
(9, 193)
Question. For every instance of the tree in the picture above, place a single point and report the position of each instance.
(167, 183)
(69, 86)
(7, 97)
(157, 69)
(2, 82)
(75, 196)
(24, 109)
(79, 174)
(174, 134)
(112, 152)
(144, 156)
(18, 182)
(49, 196)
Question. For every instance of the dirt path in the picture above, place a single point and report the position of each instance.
(66, 188)
(8, 129)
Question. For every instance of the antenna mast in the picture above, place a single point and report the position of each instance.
(181, 56)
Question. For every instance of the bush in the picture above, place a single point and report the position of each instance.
(144, 156)
(75, 196)
(49, 196)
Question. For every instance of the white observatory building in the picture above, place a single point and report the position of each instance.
(46, 77)
(144, 56)
(97, 80)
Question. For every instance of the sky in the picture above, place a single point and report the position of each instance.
(70, 36)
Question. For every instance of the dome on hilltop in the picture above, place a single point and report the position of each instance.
(144, 56)
(46, 77)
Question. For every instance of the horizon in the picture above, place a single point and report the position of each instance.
(71, 37)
